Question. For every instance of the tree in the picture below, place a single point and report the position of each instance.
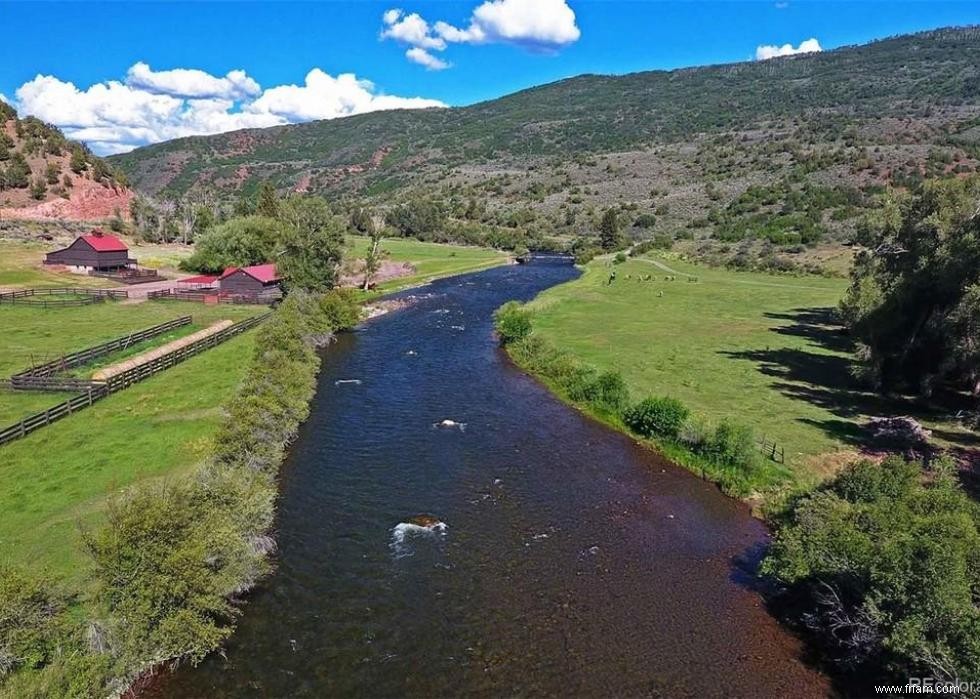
(239, 242)
(610, 235)
(375, 255)
(909, 304)
(312, 244)
(361, 221)
(78, 161)
(882, 562)
(418, 218)
(267, 202)
(51, 173)
(38, 188)
(18, 172)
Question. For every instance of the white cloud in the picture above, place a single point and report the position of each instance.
(537, 24)
(192, 83)
(114, 117)
(765, 52)
(424, 58)
(410, 29)
(545, 23)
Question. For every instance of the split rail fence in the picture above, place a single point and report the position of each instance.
(89, 296)
(97, 390)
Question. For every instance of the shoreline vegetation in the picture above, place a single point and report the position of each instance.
(175, 556)
(876, 565)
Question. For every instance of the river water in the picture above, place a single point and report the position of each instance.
(569, 561)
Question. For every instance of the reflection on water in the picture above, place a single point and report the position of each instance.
(447, 528)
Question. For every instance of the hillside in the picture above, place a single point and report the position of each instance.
(691, 153)
(44, 176)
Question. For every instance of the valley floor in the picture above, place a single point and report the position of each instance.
(764, 350)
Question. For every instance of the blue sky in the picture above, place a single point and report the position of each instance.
(279, 43)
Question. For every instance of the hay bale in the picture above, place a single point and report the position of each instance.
(148, 356)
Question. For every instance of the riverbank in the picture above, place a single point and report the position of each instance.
(763, 350)
(570, 560)
(169, 558)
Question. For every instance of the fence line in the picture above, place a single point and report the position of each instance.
(98, 390)
(74, 359)
(772, 451)
(25, 296)
(179, 295)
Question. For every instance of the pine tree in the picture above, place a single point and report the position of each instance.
(268, 201)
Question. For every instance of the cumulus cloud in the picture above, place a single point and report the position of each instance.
(185, 82)
(765, 52)
(540, 25)
(152, 106)
(410, 29)
(424, 58)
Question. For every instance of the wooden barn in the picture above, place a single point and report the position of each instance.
(96, 251)
(257, 280)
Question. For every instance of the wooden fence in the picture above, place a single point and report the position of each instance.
(70, 361)
(144, 371)
(97, 390)
(89, 296)
(39, 420)
(772, 451)
(201, 297)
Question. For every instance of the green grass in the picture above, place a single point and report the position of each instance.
(60, 476)
(431, 260)
(34, 335)
(756, 348)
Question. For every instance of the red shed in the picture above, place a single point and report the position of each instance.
(257, 280)
(97, 250)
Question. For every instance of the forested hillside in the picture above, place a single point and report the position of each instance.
(787, 151)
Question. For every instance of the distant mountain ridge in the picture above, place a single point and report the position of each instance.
(590, 114)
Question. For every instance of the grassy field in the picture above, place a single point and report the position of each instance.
(35, 335)
(431, 260)
(58, 478)
(761, 349)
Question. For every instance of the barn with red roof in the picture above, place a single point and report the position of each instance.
(95, 251)
(257, 280)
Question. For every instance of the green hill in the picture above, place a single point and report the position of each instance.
(702, 152)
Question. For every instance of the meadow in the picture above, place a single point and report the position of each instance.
(57, 479)
(431, 260)
(761, 349)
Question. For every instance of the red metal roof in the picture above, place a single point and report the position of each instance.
(264, 273)
(103, 242)
(201, 279)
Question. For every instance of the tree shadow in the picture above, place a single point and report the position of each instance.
(822, 376)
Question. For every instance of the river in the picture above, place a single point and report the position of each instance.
(570, 561)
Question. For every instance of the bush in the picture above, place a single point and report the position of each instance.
(513, 322)
(651, 417)
(620, 258)
(732, 445)
(31, 621)
(606, 391)
(884, 565)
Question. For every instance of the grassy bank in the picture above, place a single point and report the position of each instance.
(158, 561)
(60, 477)
(430, 260)
(759, 348)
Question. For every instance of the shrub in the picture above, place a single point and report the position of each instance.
(31, 621)
(733, 445)
(606, 391)
(513, 322)
(883, 564)
(663, 417)
(620, 258)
